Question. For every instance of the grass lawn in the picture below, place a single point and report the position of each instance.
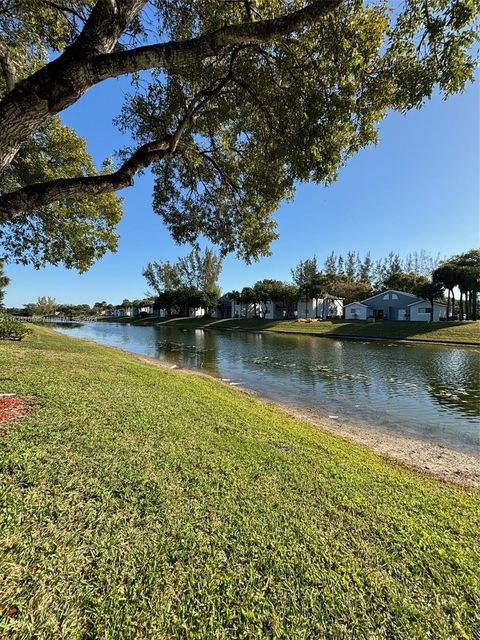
(461, 332)
(138, 502)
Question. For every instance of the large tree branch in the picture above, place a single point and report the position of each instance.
(14, 204)
(92, 59)
(175, 55)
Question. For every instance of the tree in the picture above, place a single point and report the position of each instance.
(421, 263)
(266, 291)
(201, 271)
(393, 264)
(100, 308)
(350, 291)
(4, 282)
(461, 271)
(430, 291)
(447, 274)
(211, 86)
(44, 306)
(408, 282)
(310, 282)
(468, 280)
(352, 262)
(330, 265)
(163, 276)
(74, 310)
(288, 294)
(365, 269)
(191, 281)
(247, 297)
(167, 300)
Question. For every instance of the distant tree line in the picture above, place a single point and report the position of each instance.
(192, 282)
(352, 277)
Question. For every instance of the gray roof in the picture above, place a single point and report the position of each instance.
(422, 300)
(382, 293)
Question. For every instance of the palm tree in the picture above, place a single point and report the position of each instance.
(447, 275)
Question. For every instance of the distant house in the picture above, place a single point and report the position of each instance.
(147, 307)
(394, 305)
(324, 308)
(224, 308)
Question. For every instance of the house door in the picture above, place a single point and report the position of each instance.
(379, 314)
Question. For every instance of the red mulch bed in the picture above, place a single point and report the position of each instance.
(12, 407)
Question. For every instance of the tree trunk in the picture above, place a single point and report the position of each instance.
(461, 305)
(448, 305)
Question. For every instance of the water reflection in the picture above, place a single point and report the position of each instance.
(429, 391)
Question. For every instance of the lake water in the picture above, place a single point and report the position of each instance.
(427, 391)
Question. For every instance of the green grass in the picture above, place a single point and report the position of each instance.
(138, 502)
(457, 332)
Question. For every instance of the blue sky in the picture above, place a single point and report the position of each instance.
(417, 189)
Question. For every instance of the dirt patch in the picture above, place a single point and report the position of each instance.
(12, 407)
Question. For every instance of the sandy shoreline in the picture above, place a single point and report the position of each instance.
(435, 460)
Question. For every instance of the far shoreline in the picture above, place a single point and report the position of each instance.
(276, 326)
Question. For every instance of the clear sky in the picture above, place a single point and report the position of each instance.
(418, 189)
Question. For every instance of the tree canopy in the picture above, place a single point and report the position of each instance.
(191, 281)
(231, 105)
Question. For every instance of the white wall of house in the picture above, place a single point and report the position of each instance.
(420, 311)
(245, 310)
(146, 308)
(356, 311)
(318, 307)
(333, 307)
(307, 308)
(197, 312)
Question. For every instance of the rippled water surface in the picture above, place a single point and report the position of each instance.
(429, 391)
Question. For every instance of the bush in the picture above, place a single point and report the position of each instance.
(11, 328)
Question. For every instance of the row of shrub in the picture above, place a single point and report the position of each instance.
(11, 328)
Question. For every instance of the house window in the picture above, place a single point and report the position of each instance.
(425, 310)
(394, 296)
(387, 297)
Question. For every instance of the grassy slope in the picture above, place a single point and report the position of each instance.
(442, 331)
(143, 503)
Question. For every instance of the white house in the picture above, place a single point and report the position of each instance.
(356, 311)
(421, 311)
(324, 308)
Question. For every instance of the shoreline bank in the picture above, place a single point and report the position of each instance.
(294, 328)
(427, 458)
